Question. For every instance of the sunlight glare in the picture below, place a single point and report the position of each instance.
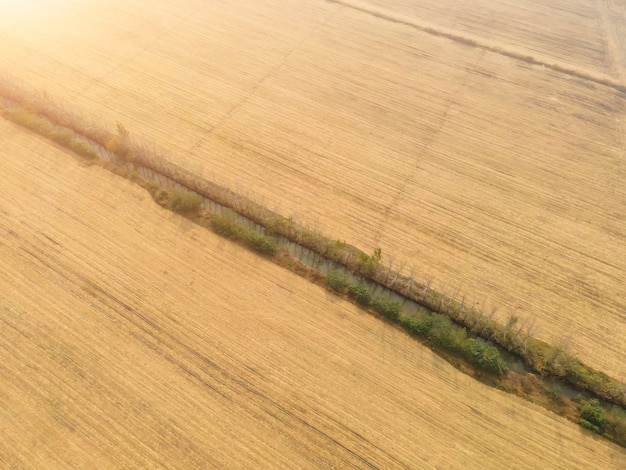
(11, 9)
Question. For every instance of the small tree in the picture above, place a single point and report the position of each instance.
(262, 243)
(336, 280)
(593, 416)
(361, 293)
(418, 326)
(442, 331)
(387, 308)
(184, 201)
(487, 357)
(226, 225)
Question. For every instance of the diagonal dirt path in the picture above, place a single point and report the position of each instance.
(614, 39)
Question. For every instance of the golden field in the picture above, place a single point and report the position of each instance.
(133, 338)
(498, 180)
(585, 36)
(481, 146)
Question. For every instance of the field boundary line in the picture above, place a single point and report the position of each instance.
(270, 73)
(429, 142)
(473, 42)
(610, 40)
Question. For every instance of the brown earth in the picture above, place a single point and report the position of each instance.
(131, 337)
(497, 179)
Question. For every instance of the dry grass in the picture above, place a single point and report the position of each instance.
(133, 338)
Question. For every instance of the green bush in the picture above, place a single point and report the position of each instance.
(225, 225)
(417, 326)
(184, 201)
(487, 357)
(446, 334)
(593, 416)
(361, 293)
(261, 243)
(387, 308)
(442, 332)
(336, 280)
(82, 147)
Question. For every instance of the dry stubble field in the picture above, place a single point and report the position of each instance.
(131, 337)
(580, 35)
(500, 180)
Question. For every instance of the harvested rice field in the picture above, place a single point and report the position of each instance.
(498, 179)
(133, 338)
(480, 145)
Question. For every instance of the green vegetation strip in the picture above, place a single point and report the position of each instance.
(434, 327)
(449, 325)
